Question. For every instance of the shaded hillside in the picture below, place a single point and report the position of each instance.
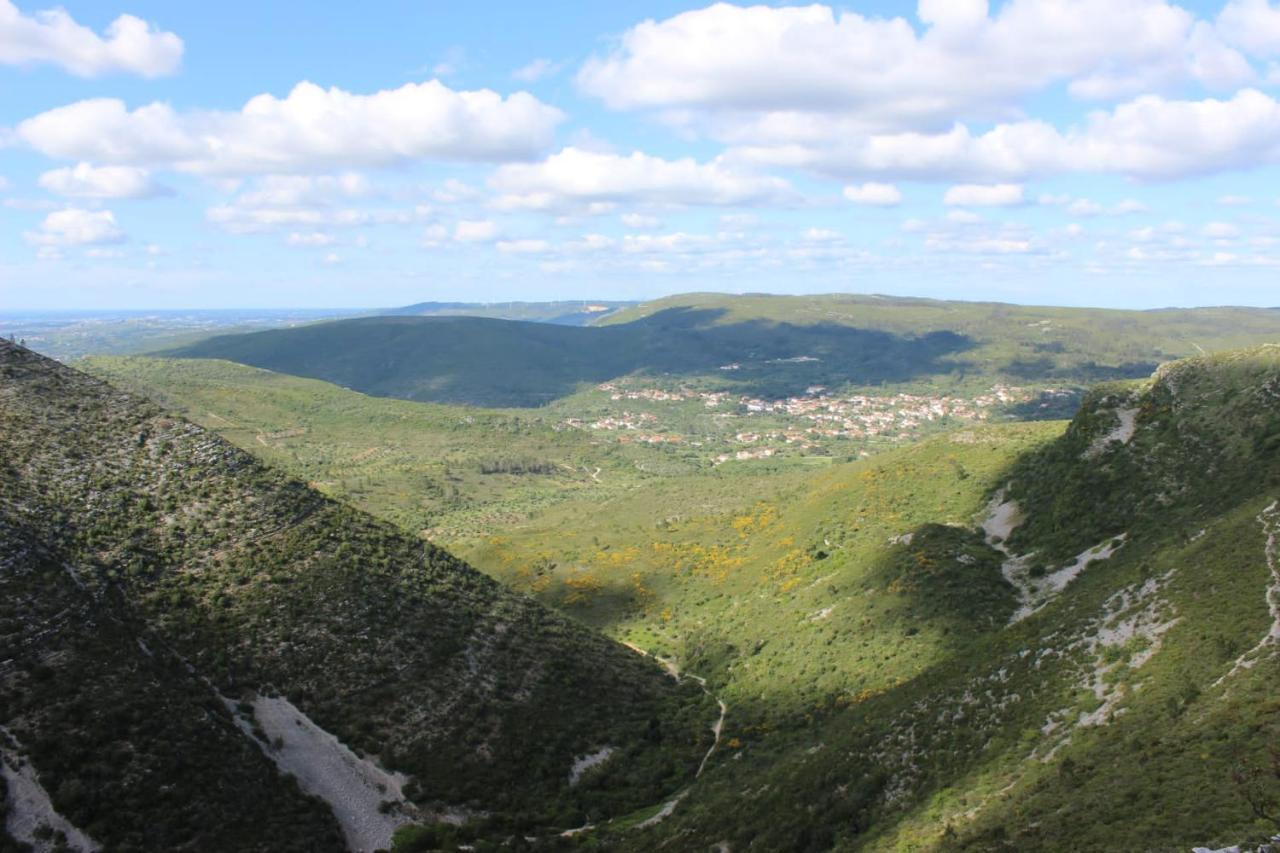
(766, 346)
(507, 363)
(1023, 338)
(1016, 342)
(151, 568)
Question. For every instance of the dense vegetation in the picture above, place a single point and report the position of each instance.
(777, 346)
(1132, 711)
(143, 556)
(1029, 636)
(856, 622)
(449, 472)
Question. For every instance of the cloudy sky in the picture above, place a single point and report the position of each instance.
(290, 154)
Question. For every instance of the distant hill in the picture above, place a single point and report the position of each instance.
(771, 346)
(177, 621)
(67, 335)
(567, 313)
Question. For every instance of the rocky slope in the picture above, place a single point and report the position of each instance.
(171, 606)
(1125, 701)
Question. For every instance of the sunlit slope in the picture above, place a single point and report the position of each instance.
(842, 582)
(1125, 698)
(153, 565)
(999, 638)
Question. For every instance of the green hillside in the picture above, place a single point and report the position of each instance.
(769, 346)
(996, 638)
(895, 680)
(1028, 339)
(168, 600)
(446, 471)
(1124, 702)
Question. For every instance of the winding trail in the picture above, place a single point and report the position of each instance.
(673, 669)
(716, 727)
(1269, 518)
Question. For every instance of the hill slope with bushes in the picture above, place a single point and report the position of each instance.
(1078, 648)
(164, 592)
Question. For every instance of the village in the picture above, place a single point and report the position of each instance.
(743, 427)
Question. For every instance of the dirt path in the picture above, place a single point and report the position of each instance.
(665, 812)
(1269, 518)
(673, 669)
(716, 727)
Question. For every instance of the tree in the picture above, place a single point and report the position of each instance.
(1259, 784)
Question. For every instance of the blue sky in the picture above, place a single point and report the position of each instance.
(1083, 152)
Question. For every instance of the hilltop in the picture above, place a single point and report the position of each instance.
(180, 625)
(768, 346)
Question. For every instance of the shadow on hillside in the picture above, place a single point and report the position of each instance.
(1088, 372)
(522, 364)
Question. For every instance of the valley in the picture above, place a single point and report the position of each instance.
(946, 638)
(640, 428)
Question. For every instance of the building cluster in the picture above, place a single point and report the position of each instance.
(799, 422)
(866, 416)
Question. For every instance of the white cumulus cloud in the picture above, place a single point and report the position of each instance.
(1149, 137)
(575, 177)
(101, 182)
(979, 195)
(53, 37)
(312, 129)
(523, 247)
(304, 190)
(638, 221)
(310, 239)
(1252, 24)
(475, 231)
(878, 195)
(892, 74)
(76, 227)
